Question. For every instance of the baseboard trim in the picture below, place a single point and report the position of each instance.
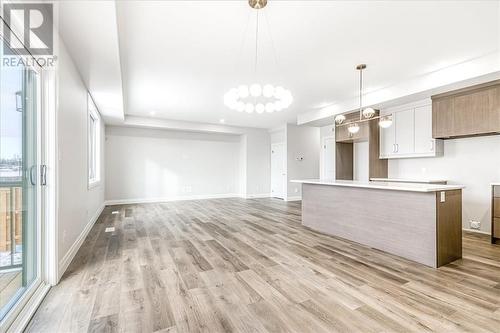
(68, 257)
(169, 199)
(256, 196)
(477, 231)
(298, 198)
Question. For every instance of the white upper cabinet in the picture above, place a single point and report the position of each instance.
(424, 143)
(404, 125)
(411, 132)
(387, 141)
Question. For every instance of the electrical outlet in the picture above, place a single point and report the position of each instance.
(296, 190)
(475, 224)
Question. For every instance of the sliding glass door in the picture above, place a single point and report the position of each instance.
(21, 178)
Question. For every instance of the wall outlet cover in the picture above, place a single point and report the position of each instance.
(475, 224)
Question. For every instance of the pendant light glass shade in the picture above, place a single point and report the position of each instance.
(353, 128)
(385, 122)
(368, 113)
(339, 119)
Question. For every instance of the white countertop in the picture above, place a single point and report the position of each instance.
(495, 184)
(409, 180)
(409, 187)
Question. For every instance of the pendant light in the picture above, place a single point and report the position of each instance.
(265, 98)
(364, 114)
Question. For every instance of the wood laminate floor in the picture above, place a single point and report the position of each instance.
(234, 265)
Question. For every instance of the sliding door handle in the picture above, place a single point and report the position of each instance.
(43, 175)
(32, 173)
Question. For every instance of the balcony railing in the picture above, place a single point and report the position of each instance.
(11, 218)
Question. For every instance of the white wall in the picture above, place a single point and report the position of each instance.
(152, 164)
(278, 135)
(77, 205)
(361, 161)
(302, 141)
(473, 162)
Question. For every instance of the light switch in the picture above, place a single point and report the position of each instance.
(443, 196)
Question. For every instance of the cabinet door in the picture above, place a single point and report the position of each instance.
(494, 112)
(471, 113)
(424, 143)
(442, 118)
(387, 141)
(405, 129)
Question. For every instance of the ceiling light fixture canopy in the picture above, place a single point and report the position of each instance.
(257, 4)
(259, 98)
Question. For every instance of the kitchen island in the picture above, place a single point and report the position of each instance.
(419, 222)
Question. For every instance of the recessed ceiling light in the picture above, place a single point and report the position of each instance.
(222, 121)
(152, 113)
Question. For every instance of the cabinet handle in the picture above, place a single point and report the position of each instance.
(432, 145)
(393, 147)
(397, 147)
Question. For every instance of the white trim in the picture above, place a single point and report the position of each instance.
(68, 257)
(296, 198)
(24, 316)
(169, 199)
(184, 198)
(256, 196)
(51, 192)
(477, 231)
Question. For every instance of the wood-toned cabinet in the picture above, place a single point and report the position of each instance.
(411, 133)
(343, 135)
(495, 212)
(467, 112)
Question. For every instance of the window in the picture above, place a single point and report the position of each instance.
(94, 143)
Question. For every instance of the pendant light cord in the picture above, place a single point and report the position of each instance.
(360, 93)
(256, 40)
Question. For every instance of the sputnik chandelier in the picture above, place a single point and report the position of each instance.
(257, 97)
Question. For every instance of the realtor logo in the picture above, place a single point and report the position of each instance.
(32, 23)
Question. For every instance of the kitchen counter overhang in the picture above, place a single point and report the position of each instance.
(420, 222)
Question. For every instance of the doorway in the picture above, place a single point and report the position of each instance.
(328, 158)
(278, 170)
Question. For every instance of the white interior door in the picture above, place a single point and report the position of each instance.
(278, 170)
(328, 151)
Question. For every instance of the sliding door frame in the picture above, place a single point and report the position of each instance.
(47, 255)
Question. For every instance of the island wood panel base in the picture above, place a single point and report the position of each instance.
(406, 224)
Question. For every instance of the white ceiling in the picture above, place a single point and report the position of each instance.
(178, 58)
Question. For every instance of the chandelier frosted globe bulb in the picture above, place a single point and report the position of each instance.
(258, 98)
(268, 91)
(255, 90)
(243, 91)
(260, 108)
(249, 108)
